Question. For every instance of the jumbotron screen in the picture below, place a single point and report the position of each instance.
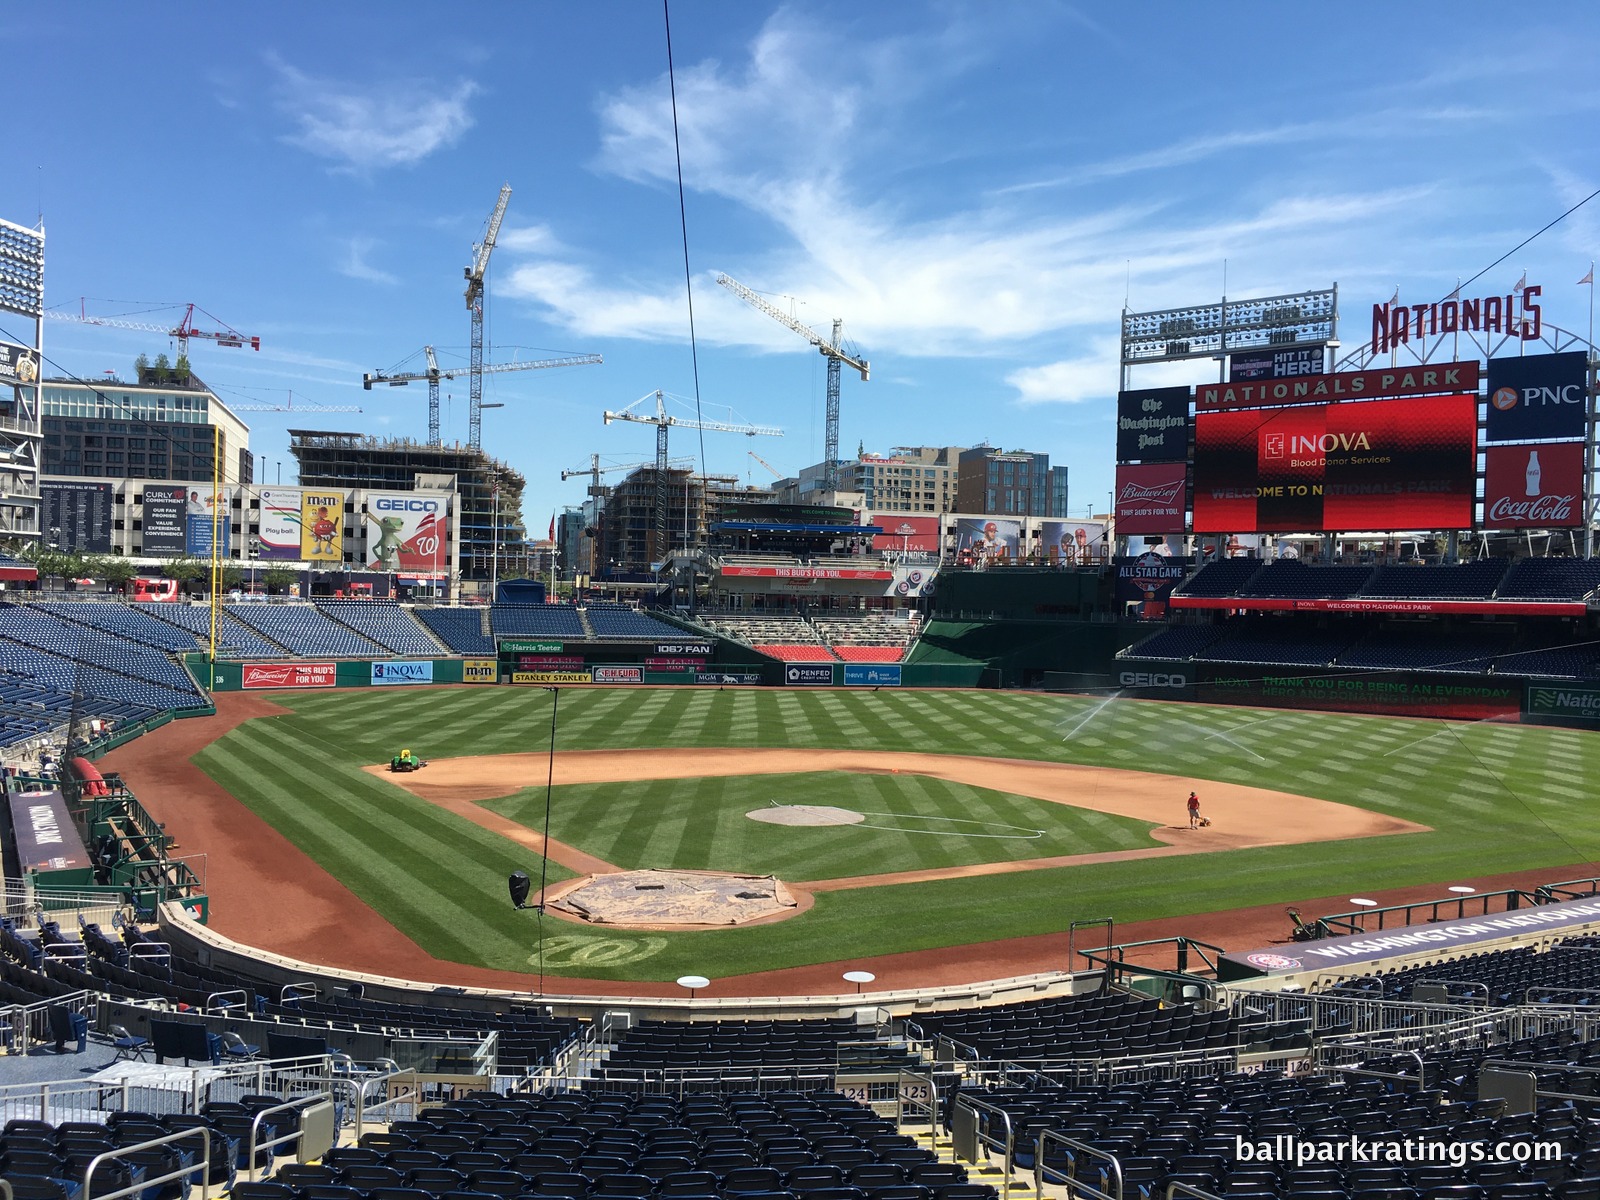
(1370, 465)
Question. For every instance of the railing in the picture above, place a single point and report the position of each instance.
(29, 1024)
(991, 1131)
(185, 1171)
(1077, 1186)
(256, 1144)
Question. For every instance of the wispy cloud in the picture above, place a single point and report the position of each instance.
(354, 264)
(387, 125)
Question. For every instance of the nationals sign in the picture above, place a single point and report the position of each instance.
(1150, 498)
(1387, 464)
(288, 675)
(1533, 487)
(1347, 385)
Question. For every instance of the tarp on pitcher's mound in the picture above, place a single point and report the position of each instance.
(674, 898)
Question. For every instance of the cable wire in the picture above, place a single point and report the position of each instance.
(683, 225)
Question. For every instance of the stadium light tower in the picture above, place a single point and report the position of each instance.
(22, 434)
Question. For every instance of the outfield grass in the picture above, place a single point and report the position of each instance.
(1498, 797)
(910, 823)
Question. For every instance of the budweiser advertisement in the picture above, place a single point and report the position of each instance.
(288, 675)
(1150, 498)
(1533, 487)
(1378, 465)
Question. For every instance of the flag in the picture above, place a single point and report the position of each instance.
(1395, 299)
(1589, 278)
(552, 527)
(1521, 283)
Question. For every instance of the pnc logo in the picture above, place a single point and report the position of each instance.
(1505, 399)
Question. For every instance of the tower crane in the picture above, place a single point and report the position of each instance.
(663, 422)
(776, 474)
(474, 273)
(832, 350)
(597, 492)
(181, 332)
(290, 407)
(435, 373)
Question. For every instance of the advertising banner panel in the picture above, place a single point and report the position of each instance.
(1149, 577)
(988, 538)
(45, 837)
(388, 673)
(872, 674)
(165, 523)
(905, 534)
(515, 646)
(808, 674)
(18, 364)
(618, 674)
(289, 675)
(322, 526)
(77, 516)
(207, 512)
(731, 678)
(738, 572)
(1540, 396)
(675, 664)
(683, 649)
(547, 677)
(1069, 542)
(1395, 693)
(1286, 362)
(480, 670)
(412, 531)
(1533, 486)
(1346, 385)
(1153, 425)
(1567, 701)
(1381, 465)
(279, 540)
(1150, 498)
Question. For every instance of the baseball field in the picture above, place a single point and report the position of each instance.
(974, 816)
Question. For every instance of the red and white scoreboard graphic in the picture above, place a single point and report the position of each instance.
(1534, 486)
(1373, 465)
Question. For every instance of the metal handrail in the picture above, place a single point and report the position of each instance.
(293, 1135)
(1008, 1145)
(1527, 996)
(227, 1005)
(182, 1172)
(1078, 1186)
(903, 1101)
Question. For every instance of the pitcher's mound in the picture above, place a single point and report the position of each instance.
(675, 899)
(806, 814)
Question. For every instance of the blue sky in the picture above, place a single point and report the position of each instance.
(975, 188)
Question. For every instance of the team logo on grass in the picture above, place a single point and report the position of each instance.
(573, 950)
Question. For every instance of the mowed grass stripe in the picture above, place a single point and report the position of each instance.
(1529, 790)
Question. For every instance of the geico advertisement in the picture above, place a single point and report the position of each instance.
(408, 534)
(1380, 465)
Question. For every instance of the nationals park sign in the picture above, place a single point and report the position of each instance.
(1347, 385)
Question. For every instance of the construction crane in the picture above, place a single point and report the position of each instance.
(290, 407)
(832, 350)
(776, 474)
(181, 332)
(663, 422)
(435, 373)
(595, 470)
(475, 273)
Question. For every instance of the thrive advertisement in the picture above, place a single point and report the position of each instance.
(410, 532)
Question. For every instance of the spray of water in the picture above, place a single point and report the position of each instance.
(1091, 715)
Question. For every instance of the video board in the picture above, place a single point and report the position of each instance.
(1374, 465)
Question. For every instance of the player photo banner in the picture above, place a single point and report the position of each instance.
(1533, 487)
(1071, 543)
(279, 540)
(1153, 425)
(1382, 465)
(988, 538)
(322, 526)
(1150, 499)
(409, 533)
(1540, 396)
(208, 516)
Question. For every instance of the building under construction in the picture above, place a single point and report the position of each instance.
(348, 460)
(630, 541)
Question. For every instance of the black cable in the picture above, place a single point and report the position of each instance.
(1523, 243)
(683, 225)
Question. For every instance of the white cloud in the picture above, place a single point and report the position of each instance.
(395, 124)
(354, 264)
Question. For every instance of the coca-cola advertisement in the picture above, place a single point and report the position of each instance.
(1150, 498)
(1533, 487)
